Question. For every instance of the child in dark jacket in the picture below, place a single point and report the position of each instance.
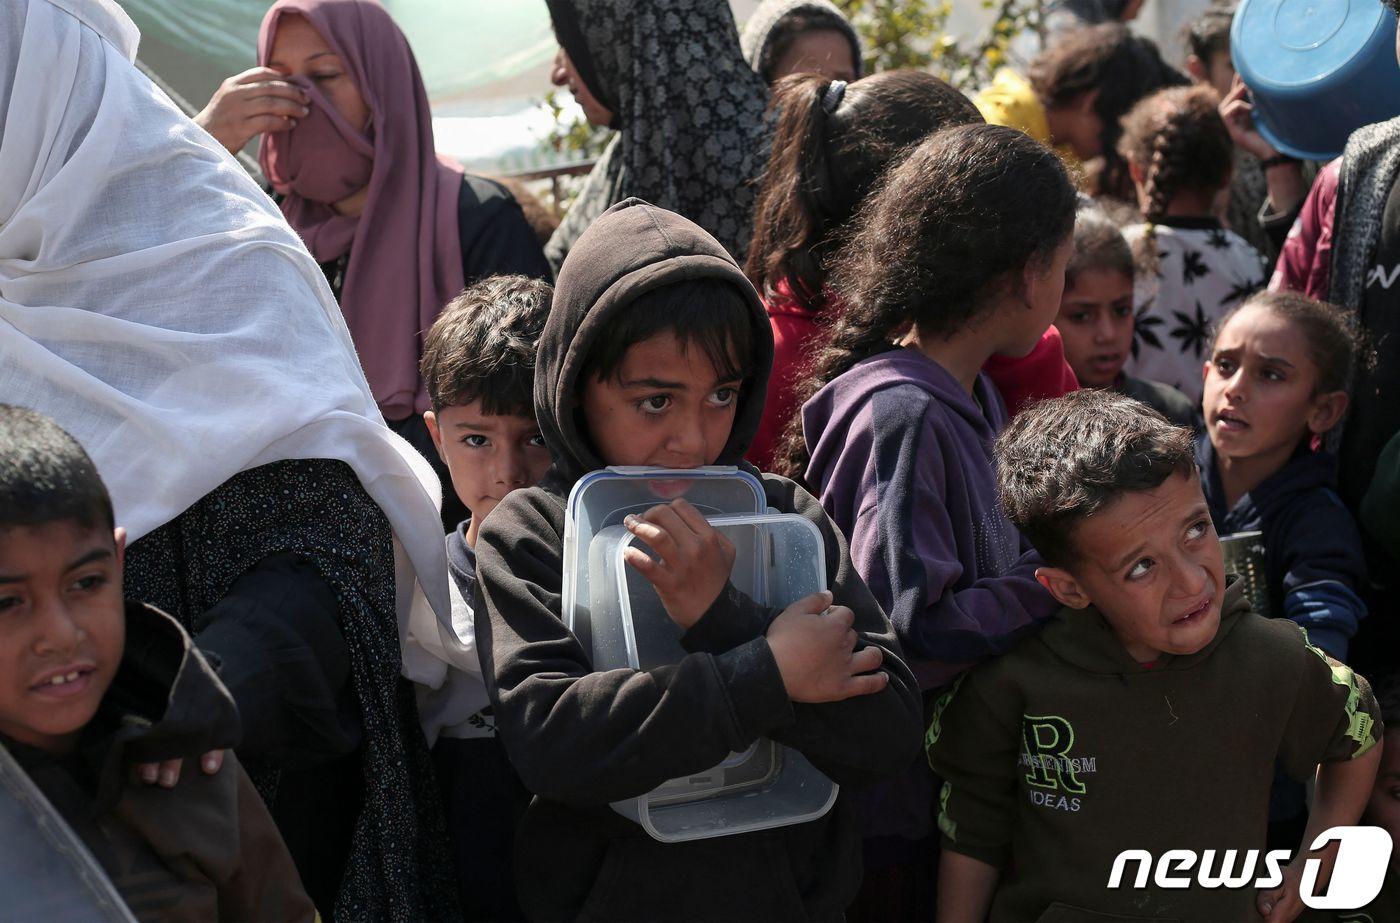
(1275, 384)
(1155, 679)
(479, 370)
(833, 144)
(90, 686)
(1096, 316)
(656, 353)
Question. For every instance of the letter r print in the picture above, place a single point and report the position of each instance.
(1048, 740)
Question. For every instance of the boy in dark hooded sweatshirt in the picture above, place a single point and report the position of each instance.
(1149, 713)
(90, 686)
(657, 352)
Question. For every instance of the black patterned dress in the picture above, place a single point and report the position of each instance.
(1202, 271)
(285, 575)
(692, 134)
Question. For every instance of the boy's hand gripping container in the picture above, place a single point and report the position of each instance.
(616, 614)
(1317, 70)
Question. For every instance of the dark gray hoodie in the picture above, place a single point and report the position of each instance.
(581, 739)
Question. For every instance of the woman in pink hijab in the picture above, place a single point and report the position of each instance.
(347, 144)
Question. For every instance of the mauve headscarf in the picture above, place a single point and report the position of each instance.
(405, 252)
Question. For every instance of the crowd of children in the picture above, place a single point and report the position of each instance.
(1010, 364)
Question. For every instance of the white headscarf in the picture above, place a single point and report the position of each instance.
(155, 303)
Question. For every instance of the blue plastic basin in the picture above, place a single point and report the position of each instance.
(1318, 70)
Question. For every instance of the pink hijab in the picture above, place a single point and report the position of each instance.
(405, 252)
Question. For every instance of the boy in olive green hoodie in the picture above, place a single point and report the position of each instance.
(1148, 714)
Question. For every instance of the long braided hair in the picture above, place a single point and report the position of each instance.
(1180, 143)
(964, 213)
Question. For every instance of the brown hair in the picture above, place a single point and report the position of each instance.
(1180, 142)
(46, 476)
(793, 26)
(1098, 244)
(1063, 460)
(482, 346)
(1209, 33)
(830, 146)
(1123, 68)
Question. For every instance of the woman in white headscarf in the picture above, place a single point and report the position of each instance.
(155, 303)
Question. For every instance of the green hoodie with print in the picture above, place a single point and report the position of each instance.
(1065, 752)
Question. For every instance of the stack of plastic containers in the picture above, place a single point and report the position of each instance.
(616, 614)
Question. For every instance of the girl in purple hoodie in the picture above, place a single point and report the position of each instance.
(959, 256)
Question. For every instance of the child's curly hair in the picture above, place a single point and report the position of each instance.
(482, 346)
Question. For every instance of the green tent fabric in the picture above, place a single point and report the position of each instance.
(461, 47)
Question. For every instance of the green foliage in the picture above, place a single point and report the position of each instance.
(914, 33)
(896, 33)
(573, 137)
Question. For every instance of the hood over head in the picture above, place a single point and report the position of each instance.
(762, 28)
(632, 249)
(165, 702)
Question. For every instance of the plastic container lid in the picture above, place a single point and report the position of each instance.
(602, 498)
(779, 558)
(1317, 69)
(1243, 554)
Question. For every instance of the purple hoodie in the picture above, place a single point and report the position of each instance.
(902, 457)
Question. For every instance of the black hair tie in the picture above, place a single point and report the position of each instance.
(835, 92)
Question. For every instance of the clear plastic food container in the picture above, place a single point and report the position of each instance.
(603, 498)
(779, 558)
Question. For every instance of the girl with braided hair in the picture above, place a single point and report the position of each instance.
(1191, 269)
(959, 255)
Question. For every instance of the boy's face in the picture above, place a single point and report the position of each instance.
(1151, 562)
(488, 455)
(665, 406)
(1219, 71)
(62, 629)
(1383, 810)
(1096, 324)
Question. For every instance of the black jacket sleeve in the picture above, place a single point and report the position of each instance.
(496, 238)
(277, 641)
(857, 740)
(587, 738)
(1318, 568)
